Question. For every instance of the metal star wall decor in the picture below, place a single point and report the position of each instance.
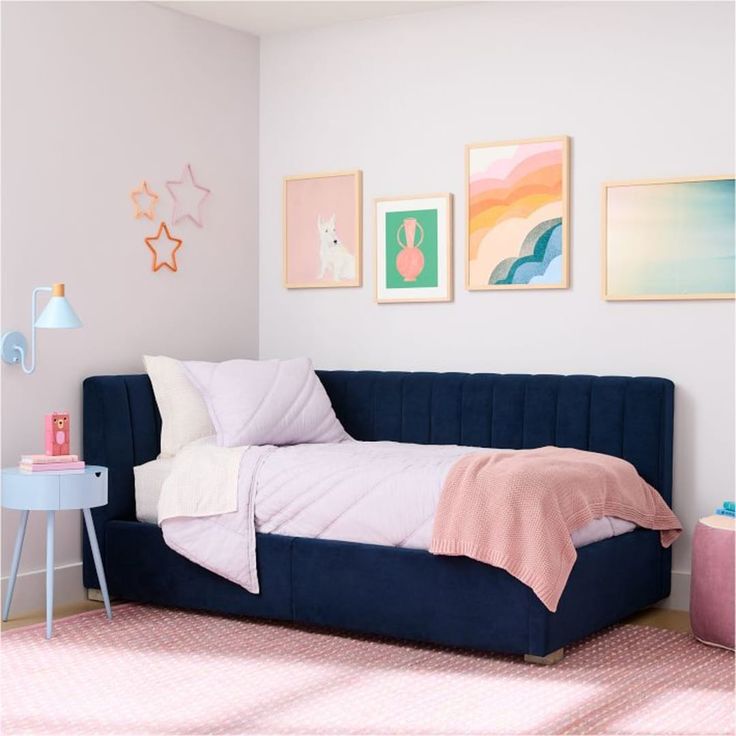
(188, 197)
(144, 192)
(168, 246)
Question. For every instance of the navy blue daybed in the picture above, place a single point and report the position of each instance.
(403, 593)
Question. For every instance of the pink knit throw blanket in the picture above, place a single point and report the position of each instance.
(516, 509)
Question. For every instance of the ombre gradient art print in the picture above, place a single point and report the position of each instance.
(517, 200)
(669, 239)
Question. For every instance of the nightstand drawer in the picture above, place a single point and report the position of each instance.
(30, 492)
(83, 490)
(54, 491)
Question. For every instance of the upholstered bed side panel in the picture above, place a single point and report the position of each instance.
(401, 593)
(145, 569)
(456, 601)
(626, 417)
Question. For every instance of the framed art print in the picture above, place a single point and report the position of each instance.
(518, 227)
(322, 230)
(669, 239)
(413, 249)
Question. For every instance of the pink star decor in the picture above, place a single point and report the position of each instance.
(163, 245)
(188, 197)
(142, 193)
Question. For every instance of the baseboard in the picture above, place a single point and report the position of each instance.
(30, 589)
(679, 598)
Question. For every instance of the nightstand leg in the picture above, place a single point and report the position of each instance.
(20, 536)
(98, 560)
(49, 573)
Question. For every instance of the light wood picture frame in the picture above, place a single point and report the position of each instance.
(517, 196)
(412, 253)
(668, 239)
(323, 230)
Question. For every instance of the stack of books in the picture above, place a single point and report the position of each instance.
(51, 464)
(727, 509)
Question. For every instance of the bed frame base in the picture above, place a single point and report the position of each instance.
(551, 658)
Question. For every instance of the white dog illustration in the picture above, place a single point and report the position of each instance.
(333, 255)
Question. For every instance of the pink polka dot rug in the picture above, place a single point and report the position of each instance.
(160, 671)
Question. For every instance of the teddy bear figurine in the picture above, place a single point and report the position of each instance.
(57, 433)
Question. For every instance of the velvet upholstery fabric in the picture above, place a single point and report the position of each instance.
(712, 599)
(398, 592)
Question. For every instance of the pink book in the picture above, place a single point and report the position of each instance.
(51, 467)
(42, 459)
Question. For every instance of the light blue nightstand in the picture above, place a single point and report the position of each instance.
(52, 492)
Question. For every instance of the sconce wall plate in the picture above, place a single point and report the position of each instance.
(13, 346)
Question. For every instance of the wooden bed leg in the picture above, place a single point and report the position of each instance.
(94, 594)
(551, 658)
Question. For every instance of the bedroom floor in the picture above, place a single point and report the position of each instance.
(641, 679)
(661, 618)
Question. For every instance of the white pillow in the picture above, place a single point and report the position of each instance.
(184, 415)
(266, 402)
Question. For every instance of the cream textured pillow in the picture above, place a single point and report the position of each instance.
(184, 415)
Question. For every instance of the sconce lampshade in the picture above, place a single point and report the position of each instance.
(58, 313)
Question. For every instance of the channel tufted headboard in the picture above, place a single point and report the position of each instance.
(625, 417)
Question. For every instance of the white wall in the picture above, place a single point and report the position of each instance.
(645, 90)
(97, 96)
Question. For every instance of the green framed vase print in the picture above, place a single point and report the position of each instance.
(413, 249)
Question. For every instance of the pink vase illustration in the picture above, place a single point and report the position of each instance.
(410, 261)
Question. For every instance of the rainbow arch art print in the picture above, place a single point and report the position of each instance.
(517, 214)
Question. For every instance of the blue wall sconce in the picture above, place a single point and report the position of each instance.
(58, 314)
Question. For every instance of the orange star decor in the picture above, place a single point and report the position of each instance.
(158, 243)
(144, 190)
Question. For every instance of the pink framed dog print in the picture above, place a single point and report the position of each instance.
(323, 230)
